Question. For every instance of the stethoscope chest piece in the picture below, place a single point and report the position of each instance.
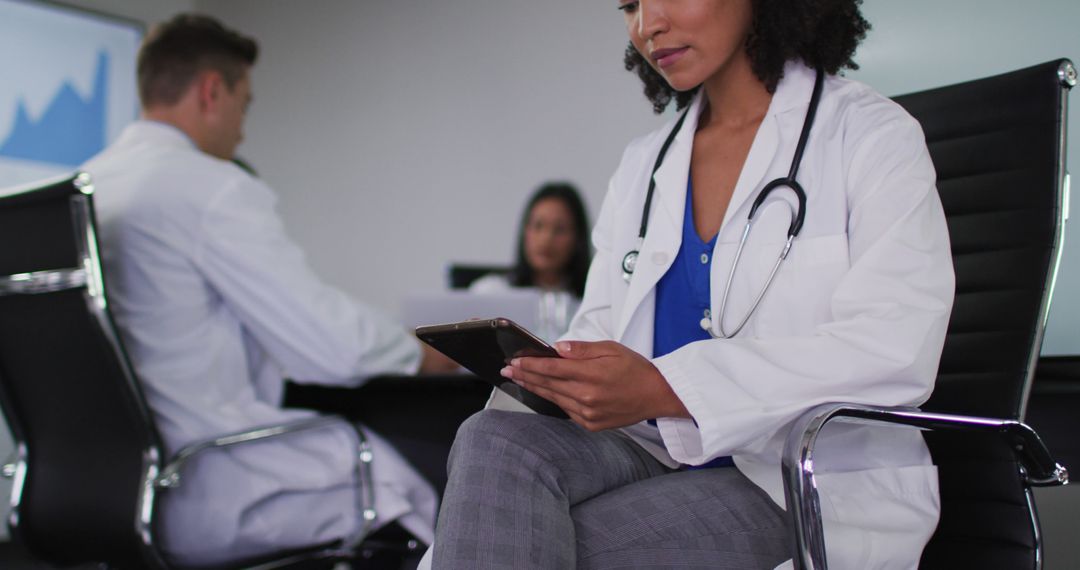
(629, 262)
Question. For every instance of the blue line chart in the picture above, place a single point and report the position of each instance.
(69, 132)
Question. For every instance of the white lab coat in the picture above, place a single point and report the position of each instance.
(857, 313)
(216, 306)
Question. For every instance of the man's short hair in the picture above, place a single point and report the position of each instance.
(175, 52)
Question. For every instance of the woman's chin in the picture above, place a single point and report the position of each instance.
(684, 85)
(681, 82)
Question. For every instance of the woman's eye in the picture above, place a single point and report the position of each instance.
(628, 7)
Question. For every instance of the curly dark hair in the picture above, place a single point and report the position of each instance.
(821, 33)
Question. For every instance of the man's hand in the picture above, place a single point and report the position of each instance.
(600, 385)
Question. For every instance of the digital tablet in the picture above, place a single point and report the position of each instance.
(484, 347)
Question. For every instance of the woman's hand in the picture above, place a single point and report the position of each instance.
(600, 385)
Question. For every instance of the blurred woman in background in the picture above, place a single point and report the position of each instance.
(553, 245)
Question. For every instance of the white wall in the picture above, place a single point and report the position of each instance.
(404, 134)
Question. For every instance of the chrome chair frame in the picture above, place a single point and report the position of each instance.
(1038, 469)
(800, 490)
(170, 476)
(155, 477)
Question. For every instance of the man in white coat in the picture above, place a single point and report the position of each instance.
(216, 306)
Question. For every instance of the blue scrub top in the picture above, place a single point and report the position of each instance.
(682, 298)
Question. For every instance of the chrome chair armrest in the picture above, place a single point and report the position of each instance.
(169, 478)
(170, 475)
(797, 463)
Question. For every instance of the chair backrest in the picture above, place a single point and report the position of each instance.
(87, 446)
(460, 276)
(998, 145)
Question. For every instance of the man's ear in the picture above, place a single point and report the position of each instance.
(209, 85)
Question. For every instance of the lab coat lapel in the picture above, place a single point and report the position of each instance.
(664, 235)
(751, 179)
(793, 92)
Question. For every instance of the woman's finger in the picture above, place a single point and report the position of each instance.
(529, 380)
(568, 404)
(584, 350)
(553, 367)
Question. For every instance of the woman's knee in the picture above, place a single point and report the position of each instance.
(487, 424)
(492, 436)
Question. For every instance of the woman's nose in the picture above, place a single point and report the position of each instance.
(652, 19)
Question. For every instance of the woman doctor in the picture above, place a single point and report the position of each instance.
(672, 456)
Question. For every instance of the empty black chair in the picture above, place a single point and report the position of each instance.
(998, 145)
(460, 276)
(89, 467)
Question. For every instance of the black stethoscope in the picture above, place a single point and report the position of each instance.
(630, 259)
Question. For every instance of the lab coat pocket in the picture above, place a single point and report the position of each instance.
(878, 518)
(799, 298)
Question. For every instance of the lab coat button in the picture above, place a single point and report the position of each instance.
(659, 258)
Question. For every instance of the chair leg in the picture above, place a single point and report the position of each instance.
(389, 548)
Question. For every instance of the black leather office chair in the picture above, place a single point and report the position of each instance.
(461, 275)
(998, 145)
(89, 466)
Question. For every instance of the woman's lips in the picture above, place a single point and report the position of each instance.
(666, 57)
